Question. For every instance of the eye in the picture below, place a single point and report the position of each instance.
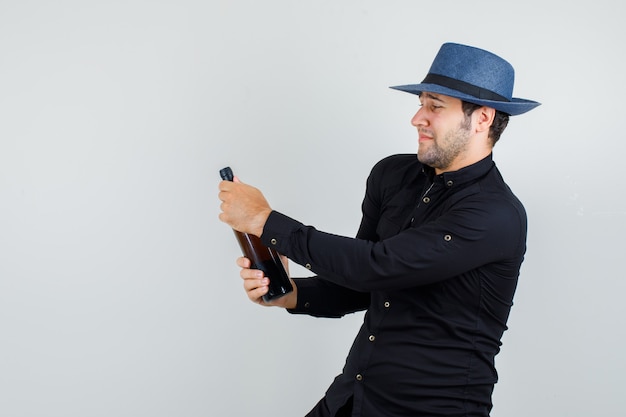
(431, 106)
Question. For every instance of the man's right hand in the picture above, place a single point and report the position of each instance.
(256, 285)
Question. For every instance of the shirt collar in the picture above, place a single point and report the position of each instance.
(463, 175)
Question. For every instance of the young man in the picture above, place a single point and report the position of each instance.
(435, 261)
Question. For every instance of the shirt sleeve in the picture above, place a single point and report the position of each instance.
(475, 233)
(321, 298)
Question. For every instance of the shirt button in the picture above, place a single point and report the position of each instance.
(387, 304)
(307, 305)
(447, 238)
(307, 266)
(372, 338)
(450, 183)
(273, 241)
(359, 377)
(426, 200)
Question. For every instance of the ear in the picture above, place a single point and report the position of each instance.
(484, 118)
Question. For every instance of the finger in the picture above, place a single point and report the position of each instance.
(223, 187)
(223, 217)
(244, 262)
(247, 273)
(224, 194)
(251, 284)
(255, 291)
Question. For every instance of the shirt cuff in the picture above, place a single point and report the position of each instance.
(306, 292)
(288, 237)
(277, 230)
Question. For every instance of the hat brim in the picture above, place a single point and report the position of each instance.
(514, 107)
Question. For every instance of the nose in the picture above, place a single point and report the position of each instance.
(418, 118)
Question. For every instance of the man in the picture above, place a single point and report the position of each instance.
(435, 261)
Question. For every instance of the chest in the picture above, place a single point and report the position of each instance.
(412, 205)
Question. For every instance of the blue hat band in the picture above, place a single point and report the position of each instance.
(463, 87)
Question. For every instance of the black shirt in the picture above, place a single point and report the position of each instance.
(435, 263)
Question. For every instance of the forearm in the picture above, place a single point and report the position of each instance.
(321, 298)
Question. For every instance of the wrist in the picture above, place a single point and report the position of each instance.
(260, 221)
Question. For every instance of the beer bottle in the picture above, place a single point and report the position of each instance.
(263, 258)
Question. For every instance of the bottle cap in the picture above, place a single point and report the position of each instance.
(226, 174)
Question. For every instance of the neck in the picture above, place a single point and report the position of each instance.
(465, 159)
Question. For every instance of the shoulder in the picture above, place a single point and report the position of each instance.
(493, 207)
(501, 198)
(396, 165)
(392, 175)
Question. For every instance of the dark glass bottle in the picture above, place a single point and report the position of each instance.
(263, 258)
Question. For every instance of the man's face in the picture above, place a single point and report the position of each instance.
(443, 131)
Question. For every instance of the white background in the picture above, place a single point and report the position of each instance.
(119, 295)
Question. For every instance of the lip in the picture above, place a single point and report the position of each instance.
(423, 135)
(424, 138)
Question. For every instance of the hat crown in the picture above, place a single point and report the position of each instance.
(475, 66)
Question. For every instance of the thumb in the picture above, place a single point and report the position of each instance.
(236, 179)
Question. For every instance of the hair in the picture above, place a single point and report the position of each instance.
(500, 120)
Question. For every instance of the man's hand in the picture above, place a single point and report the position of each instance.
(256, 285)
(243, 207)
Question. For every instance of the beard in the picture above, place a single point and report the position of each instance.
(443, 151)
